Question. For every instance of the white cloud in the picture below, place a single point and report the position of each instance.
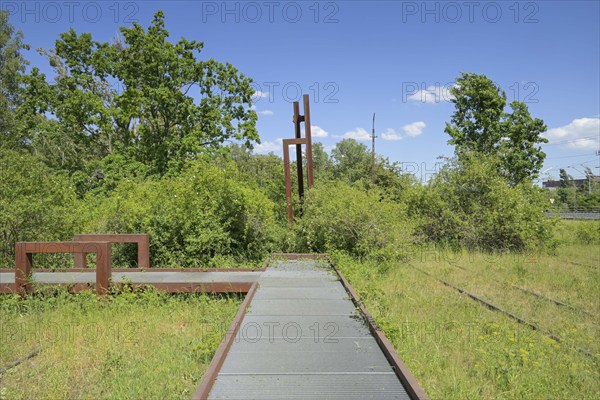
(410, 130)
(317, 131)
(581, 133)
(267, 147)
(432, 94)
(357, 134)
(267, 113)
(414, 129)
(260, 95)
(391, 134)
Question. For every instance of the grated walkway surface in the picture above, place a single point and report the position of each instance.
(302, 337)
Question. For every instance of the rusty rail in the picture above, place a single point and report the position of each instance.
(556, 337)
(408, 380)
(209, 377)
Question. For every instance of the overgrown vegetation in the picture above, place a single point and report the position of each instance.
(458, 348)
(131, 345)
(117, 143)
(150, 158)
(362, 223)
(569, 196)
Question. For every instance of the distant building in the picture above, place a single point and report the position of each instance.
(553, 185)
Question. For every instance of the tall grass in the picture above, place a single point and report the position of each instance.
(132, 345)
(458, 348)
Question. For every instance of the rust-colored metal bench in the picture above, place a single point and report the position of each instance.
(142, 240)
(24, 260)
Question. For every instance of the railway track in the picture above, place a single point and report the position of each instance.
(509, 314)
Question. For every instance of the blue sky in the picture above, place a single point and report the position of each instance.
(393, 58)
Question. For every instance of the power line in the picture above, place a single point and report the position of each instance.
(579, 155)
(570, 140)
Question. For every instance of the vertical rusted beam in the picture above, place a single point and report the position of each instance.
(288, 182)
(23, 262)
(80, 260)
(298, 134)
(144, 252)
(103, 267)
(308, 135)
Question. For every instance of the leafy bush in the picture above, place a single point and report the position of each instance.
(347, 218)
(469, 203)
(203, 213)
(588, 232)
(100, 177)
(36, 204)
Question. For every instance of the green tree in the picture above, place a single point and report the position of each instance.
(521, 158)
(480, 124)
(322, 164)
(475, 125)
(351, 160)
(349, 218)
(587, 187)
(566, 180)
(12, 66)
(147, 96)
(567, 193)
(264, 171)
(205, 214)
(36, 204)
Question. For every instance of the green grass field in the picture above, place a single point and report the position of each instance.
(154, 345)
(458, 348)
(147, 345)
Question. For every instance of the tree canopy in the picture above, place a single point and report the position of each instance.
(12, 65)
(141, 95)
(143, 135)
(481, 124)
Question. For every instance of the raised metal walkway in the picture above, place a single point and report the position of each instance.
(176, 280)
(301, 332)
(302, 336)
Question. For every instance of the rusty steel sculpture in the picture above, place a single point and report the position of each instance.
(298, 141)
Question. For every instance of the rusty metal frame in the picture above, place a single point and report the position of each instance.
(24, 261)
(212, 287)
(298, 141)
(209, 377)
(204, 287)
(141, 239)
(207, 287)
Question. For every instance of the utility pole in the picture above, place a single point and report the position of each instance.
(373, 151)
